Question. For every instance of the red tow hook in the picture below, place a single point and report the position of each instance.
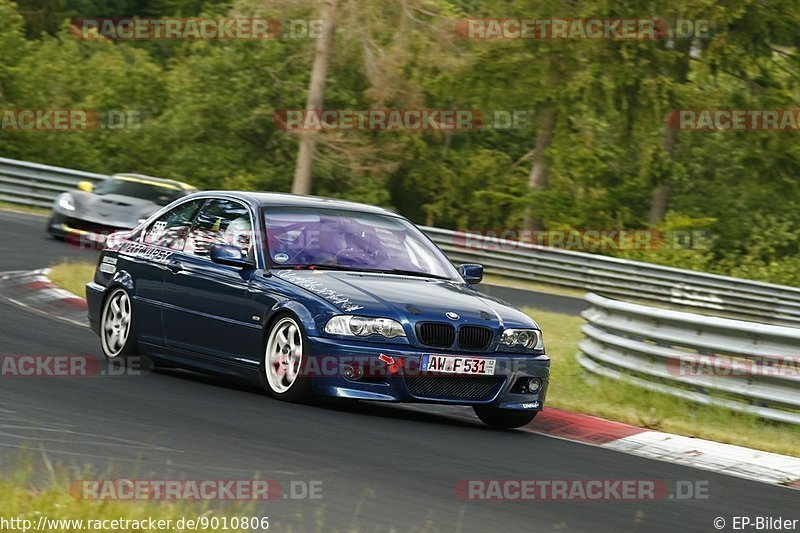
(391, 365)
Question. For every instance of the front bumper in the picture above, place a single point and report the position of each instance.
(94, 301)
(80, 231)
(391, 373)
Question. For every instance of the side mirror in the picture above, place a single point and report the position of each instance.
(229, 255)
(85, 186)
(471, 273)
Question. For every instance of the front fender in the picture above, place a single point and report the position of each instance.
(96, 293)
(122, 277)
(308, 320)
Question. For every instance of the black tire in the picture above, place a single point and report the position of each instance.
(110, 322)
(53, 234)
(503, 418)
(299, 389)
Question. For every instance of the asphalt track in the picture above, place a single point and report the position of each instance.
(381, 467)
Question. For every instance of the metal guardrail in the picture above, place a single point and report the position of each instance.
(734, 364)
(32, 184)
(639, 344)
(37, 185)
(644, 282)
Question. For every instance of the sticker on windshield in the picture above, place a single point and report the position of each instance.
(157, 231)
(281, 258)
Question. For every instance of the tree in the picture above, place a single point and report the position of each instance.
(316, 92)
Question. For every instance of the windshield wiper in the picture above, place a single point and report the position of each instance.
(415, 273)
(320, 266)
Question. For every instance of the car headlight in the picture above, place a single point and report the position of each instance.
(66, 202)
(363, 326)
(530, 339)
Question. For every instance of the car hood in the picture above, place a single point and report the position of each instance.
(112, 209)
(406, 297)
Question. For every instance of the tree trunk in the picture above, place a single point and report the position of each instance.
(659, 201)
(658, 204)
(316, 92)
(537, 179)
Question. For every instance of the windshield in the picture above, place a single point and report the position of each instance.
(151, 191)
(347, 240)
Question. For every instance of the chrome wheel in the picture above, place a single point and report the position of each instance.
(116, 323)
(284, 355)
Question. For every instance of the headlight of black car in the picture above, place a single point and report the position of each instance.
(66, 202)
(364, 326)
(529, 339)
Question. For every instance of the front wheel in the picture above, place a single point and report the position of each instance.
(116, 326)
(503, 418)
(284, 357)
(49, 230)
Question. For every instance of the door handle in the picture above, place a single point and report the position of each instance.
(175, 266)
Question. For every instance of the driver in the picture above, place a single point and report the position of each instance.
(238, 234)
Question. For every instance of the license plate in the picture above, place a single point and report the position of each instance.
(458, 365)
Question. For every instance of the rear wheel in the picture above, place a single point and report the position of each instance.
(503, 418)
(284, 356)
(116, 326)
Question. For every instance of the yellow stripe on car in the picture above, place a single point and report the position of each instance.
(148, 182)
(73, 230)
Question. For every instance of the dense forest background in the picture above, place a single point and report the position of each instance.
(598, 154)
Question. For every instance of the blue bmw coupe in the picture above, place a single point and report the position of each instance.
(315, 297)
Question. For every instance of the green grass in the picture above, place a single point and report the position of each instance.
(22, 208)
(574, 389)
(56, 503)
(72, 276)
(533, 286)
(28, 492)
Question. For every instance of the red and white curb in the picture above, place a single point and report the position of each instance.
(697, 453)
(35, 291)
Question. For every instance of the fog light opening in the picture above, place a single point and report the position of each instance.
(534, 385)
(353, 372)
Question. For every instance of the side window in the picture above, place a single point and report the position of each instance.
(220, 222)
(171, 229)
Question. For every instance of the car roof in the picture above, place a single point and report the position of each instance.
(276, 199)
(163, 181)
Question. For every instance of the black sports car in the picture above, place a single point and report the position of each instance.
(118, 203)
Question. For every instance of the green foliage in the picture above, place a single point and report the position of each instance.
(207, 113)
(11, 39)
